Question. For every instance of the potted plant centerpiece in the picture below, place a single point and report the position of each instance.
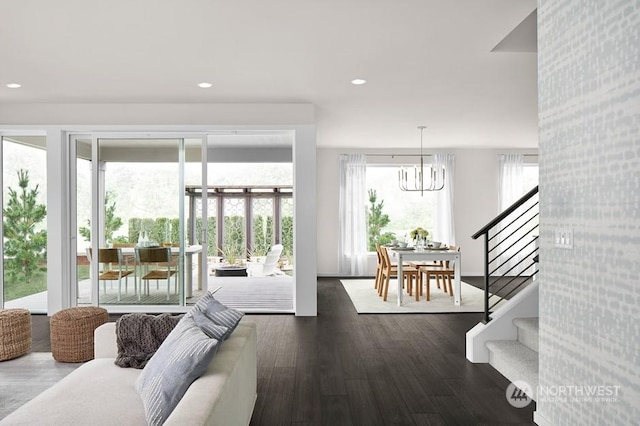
(419, 236)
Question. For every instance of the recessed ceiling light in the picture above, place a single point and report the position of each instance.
(358, 81)
(14, 85)
(205, 85)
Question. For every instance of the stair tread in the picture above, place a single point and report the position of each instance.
(515, 361)
(527, 323)
(515, 351)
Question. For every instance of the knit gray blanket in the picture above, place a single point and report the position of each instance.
(140, 335)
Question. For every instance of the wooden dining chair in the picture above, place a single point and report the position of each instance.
(155, 263)
(409, 274)
(445, 272)
(378, 279)
(377, 283)
(113, 268)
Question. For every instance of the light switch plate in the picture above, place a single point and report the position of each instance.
(564, 238)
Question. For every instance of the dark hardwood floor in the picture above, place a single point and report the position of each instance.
(341, 368)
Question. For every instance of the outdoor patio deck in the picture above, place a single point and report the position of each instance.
(247, 294)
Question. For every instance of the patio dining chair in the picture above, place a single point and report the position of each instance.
(113, 267)
(128, 259)
(155, 263)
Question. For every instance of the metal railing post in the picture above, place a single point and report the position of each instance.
(486, 278)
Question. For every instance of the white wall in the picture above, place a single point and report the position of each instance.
(475, 203)
(589, 115)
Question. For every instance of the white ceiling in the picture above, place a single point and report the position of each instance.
(427, 62)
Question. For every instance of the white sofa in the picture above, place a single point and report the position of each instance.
(101, 393)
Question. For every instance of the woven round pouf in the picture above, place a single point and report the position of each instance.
(72, 332)
(15, 333)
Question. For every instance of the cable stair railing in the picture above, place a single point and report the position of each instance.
(510, 251)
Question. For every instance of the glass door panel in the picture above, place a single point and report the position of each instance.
(250, 201)
(139, 206)
(24, 197)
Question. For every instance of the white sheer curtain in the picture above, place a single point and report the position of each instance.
(444, 226)
(511, 179)
(352, 250)
(511, 189)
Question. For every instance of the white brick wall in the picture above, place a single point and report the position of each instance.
(589, 105)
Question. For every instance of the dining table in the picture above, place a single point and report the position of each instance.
(411, 254)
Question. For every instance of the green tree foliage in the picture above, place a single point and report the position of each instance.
(212, 246)
(234, 238)
(25, 248)
(377, 221)
(262, 235)
(233, 241)
(111, 224)
(287, 236)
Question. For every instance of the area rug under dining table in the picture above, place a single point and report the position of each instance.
(366, 300)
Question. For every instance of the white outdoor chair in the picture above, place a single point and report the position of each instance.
(270, 265)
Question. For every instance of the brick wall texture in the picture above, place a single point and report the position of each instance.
(589, 108)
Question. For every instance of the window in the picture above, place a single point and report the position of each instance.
(406, 210)
(529, 176)
(24, 180)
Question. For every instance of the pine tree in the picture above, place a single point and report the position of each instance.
(377, 221)
(25, 248)
(111, 223)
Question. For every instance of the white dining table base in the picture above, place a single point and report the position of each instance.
(453, 256)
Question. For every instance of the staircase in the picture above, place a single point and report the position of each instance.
(510, 251)
(508, 337)
(517, 360)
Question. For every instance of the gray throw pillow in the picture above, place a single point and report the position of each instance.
(218, 313)
(207, 326)
(179, 361)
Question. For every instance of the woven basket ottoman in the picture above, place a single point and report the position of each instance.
(72, 332)
(15, 333)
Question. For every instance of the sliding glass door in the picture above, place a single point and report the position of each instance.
(131, 203)
(219, 207)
